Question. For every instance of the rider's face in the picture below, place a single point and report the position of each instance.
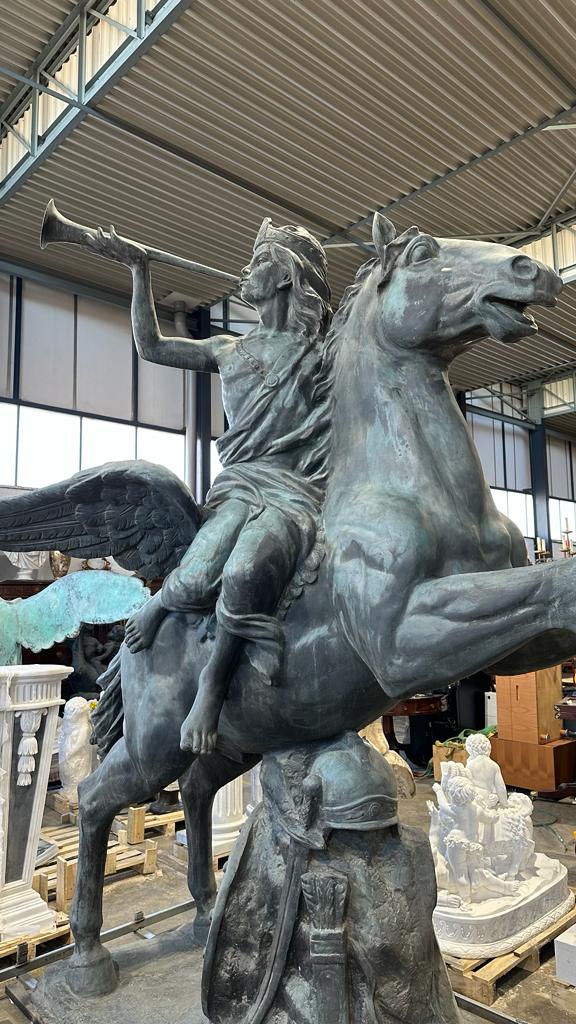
(262, 278)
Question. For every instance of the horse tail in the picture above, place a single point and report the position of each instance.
(108, 716)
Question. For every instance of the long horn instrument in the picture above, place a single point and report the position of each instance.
(57, 228)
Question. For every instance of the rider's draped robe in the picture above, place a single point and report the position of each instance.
(273, 456)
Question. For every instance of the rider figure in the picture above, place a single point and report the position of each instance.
(263, 508)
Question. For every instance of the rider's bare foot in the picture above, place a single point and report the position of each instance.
(200, 729)
(143, 626)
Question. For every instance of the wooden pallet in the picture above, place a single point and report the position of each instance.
(57, 802)
(57, 879)
(24, 948)
(478, 979)
(131, 828)
(180, 852)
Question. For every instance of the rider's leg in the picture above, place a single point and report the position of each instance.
(194, 584)
(115, 784)
(454, 626)
(198, 787)
(253, 581)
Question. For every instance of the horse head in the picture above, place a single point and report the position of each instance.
(441, 294)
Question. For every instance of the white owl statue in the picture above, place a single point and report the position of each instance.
(75, 752)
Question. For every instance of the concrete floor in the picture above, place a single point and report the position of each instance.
(531, 998)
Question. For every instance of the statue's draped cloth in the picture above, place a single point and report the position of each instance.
(273, 457)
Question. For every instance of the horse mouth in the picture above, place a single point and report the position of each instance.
(507, 319)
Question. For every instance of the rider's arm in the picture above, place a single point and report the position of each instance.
(185, 353)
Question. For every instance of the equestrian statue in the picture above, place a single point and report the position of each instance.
(349, 554)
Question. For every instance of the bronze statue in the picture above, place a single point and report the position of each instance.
(423, 582)
(261, 515)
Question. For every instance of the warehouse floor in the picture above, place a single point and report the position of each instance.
(531, 998)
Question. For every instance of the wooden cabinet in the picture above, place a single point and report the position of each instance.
(526, 705)
(542, 767)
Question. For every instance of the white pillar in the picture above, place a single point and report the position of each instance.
(29, 702)
(227, 817)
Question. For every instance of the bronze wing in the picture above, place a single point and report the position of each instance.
(140, 513)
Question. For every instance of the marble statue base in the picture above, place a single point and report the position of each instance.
(23, 913)
(499, 925)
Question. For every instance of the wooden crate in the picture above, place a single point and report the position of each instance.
(56, 880)
(132, 828)
(24, 948)
(447, 752)
(219, 860)
(57, 802)
(542, 767)
(526, 705)
(478, 979)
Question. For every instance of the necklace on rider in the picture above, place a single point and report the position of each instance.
(271, 380)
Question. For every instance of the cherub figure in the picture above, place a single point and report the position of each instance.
(517, 835)
(485, 773)
(470, 876)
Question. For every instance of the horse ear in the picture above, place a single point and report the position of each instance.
(383, 232)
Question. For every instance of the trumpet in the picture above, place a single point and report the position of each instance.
(57, 228)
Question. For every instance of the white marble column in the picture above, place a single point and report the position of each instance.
(227, 817)
(29, 702)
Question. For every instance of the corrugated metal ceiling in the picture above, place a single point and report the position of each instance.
(25, 28)
(334, 109)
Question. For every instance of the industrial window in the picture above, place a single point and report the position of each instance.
(48, 447)
(104, 441)
(47, 346)
(8, 433)
(7, 286)
(103, 359)
(162, 447)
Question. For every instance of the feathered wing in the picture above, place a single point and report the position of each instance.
(140, 513)
(59, 610)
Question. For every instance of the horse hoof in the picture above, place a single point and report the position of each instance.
(95, 975)
(200, 928)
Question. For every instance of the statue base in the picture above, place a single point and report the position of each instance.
(147, 992)
(499, 925)
(324, 915)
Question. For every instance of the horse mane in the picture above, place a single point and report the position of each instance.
(323, 386)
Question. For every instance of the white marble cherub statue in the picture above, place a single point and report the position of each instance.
(75, 752)
(469, 873)
(442, 818)
(484, 772)
(516, 837)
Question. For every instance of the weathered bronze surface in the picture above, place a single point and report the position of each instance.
(423, 580)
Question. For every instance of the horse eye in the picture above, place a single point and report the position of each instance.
(419, 252)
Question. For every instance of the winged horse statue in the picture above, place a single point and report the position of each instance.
(424, 580)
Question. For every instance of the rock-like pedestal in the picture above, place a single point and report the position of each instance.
(29, 702)
(325, 912)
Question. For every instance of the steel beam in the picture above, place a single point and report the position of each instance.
(552, 206)
(456, 172)
(85, 110)
(54, 46)
(164, 15)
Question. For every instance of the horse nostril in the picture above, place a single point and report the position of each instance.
(524, 268)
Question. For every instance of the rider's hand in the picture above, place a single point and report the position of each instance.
(115, 247)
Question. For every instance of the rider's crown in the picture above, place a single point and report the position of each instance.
(295, 238)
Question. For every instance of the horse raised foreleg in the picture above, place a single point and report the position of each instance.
(198, 787)
(457, 625)
(113, 786)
